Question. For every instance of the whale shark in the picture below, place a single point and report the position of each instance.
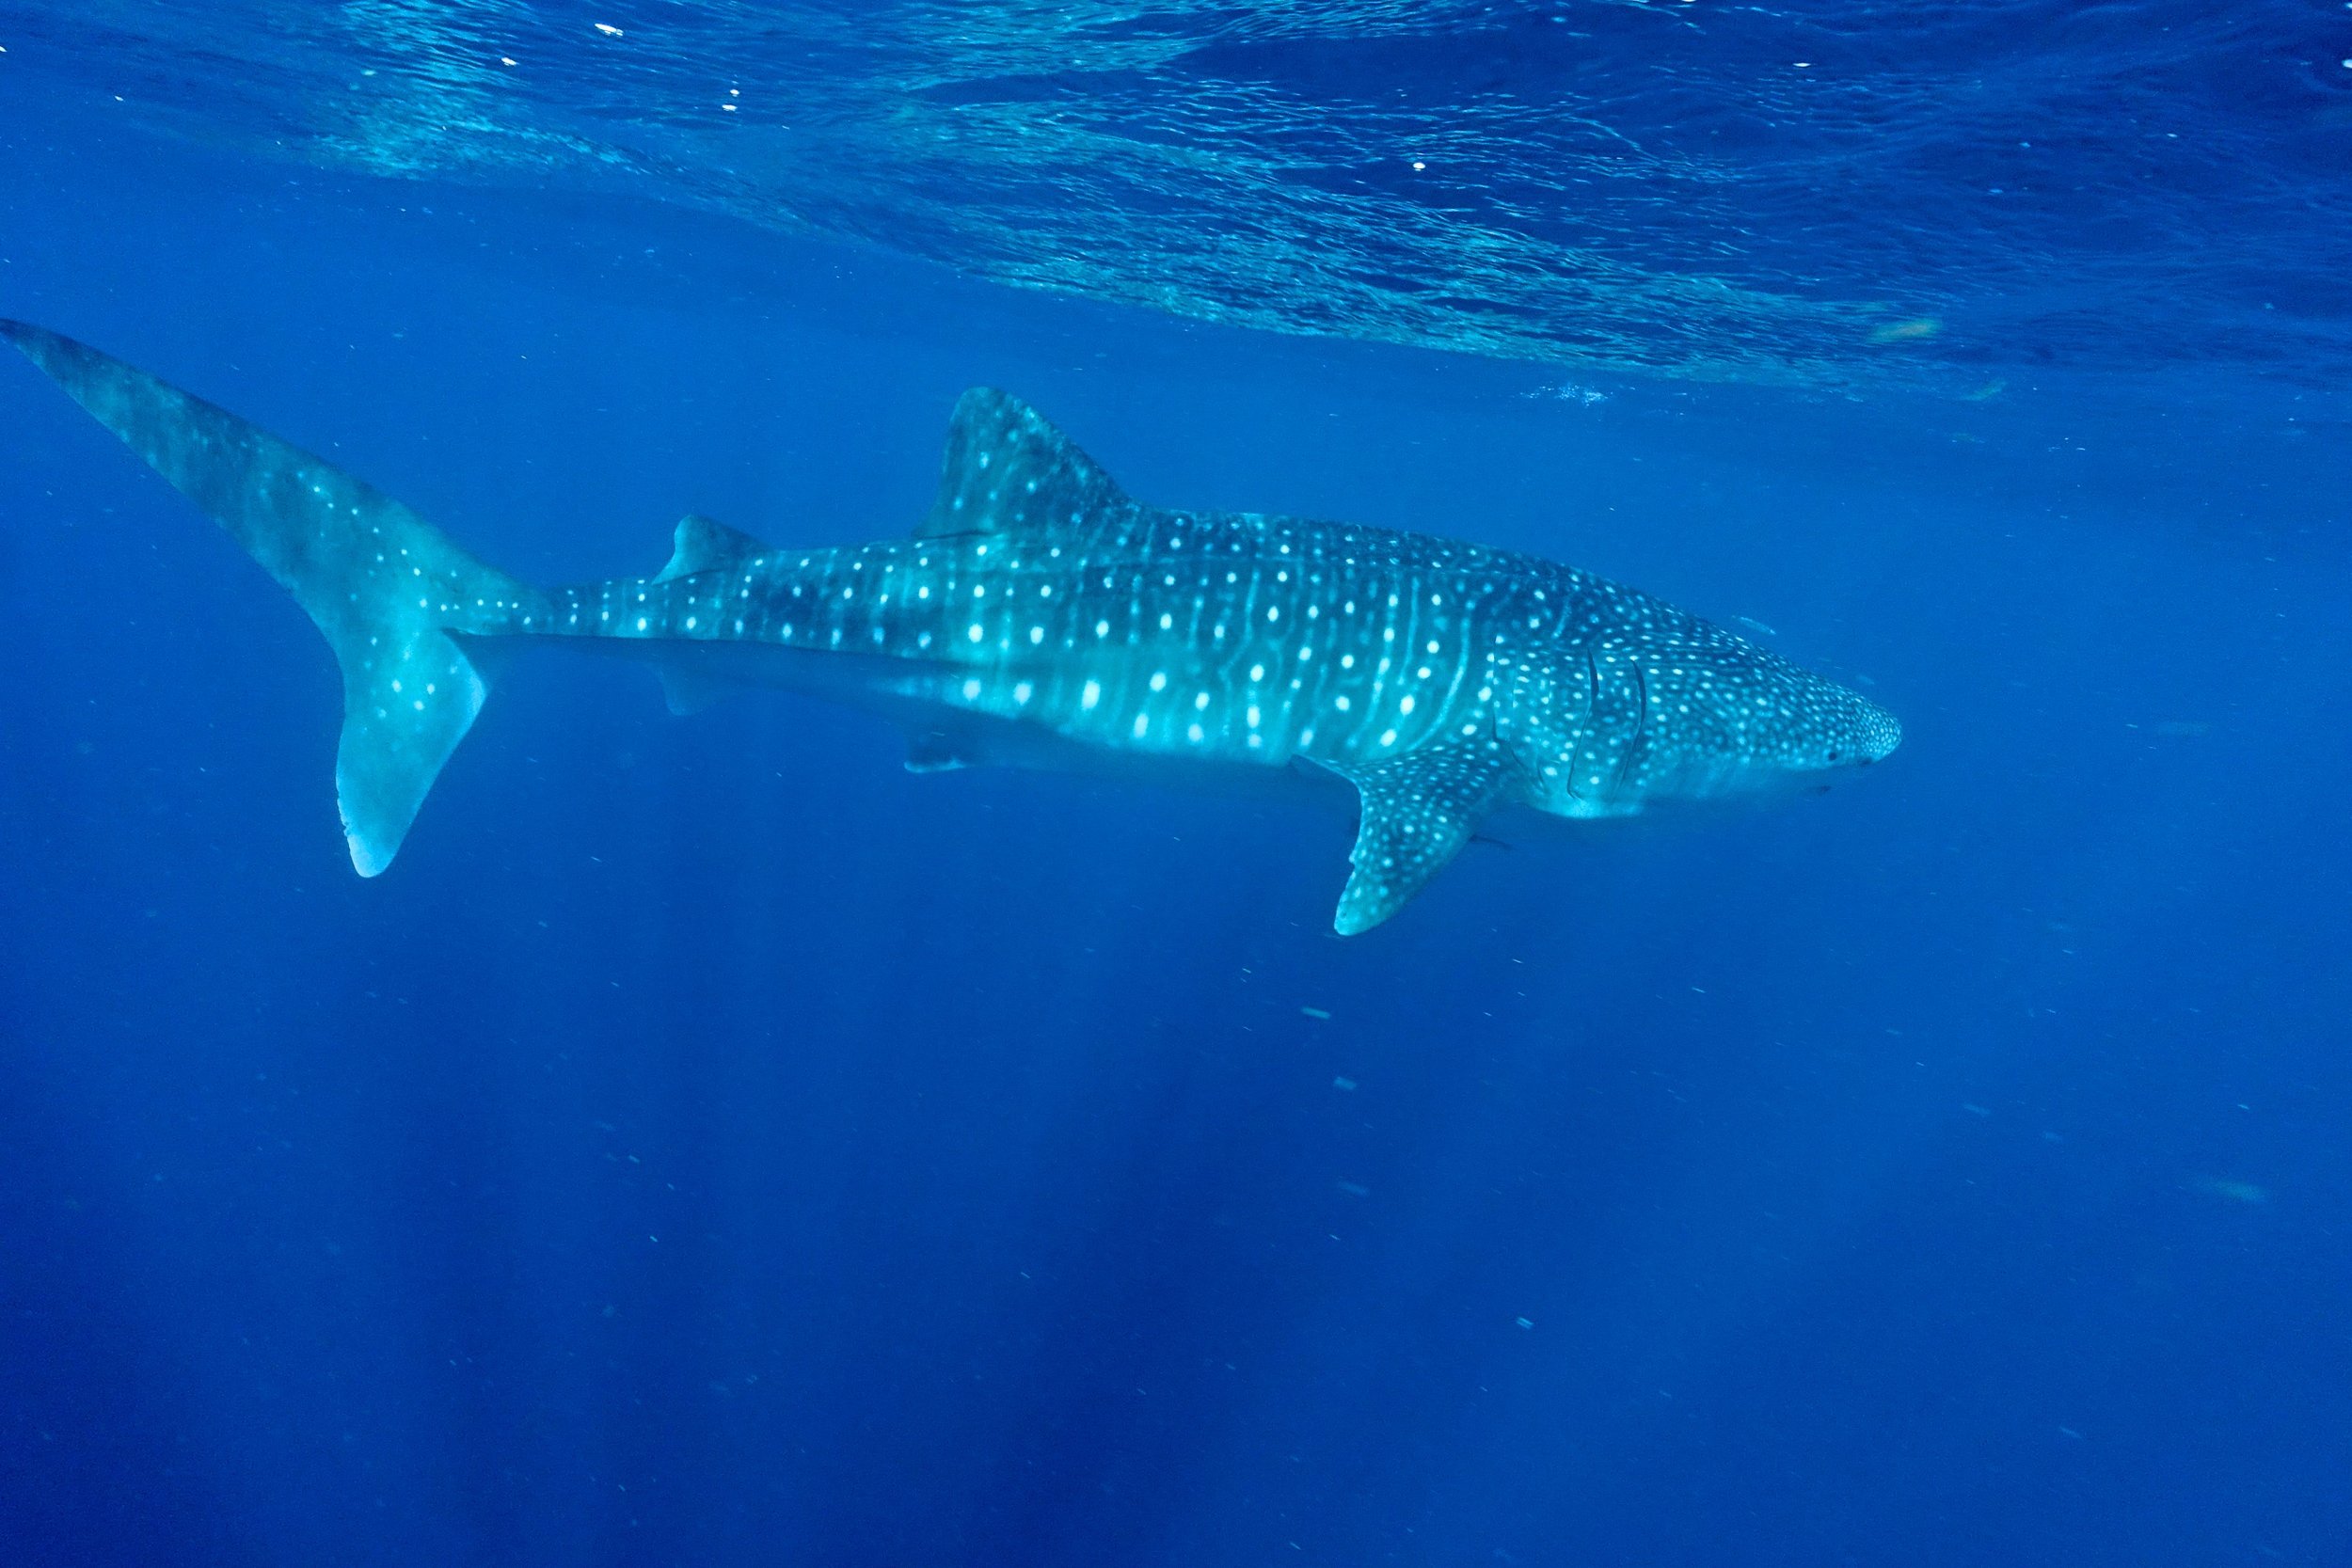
(1038, 615)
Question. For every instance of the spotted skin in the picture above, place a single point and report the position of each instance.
(1444, 680)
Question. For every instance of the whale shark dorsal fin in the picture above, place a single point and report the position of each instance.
(704, 546)
(1008, 471)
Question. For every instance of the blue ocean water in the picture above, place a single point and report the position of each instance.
(712, 1143)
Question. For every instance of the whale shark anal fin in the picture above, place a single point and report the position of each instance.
(689, 691)
(935, 749)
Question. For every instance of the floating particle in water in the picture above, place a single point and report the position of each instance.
(1908, 331)
(2235, 1191)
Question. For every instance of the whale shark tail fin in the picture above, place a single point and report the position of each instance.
(385, 586)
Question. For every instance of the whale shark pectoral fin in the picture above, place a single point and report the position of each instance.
(1006, 471)
(701, 545)
(1419, 810)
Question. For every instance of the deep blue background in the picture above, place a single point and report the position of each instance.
(713, 1145)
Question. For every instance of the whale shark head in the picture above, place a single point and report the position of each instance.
(1756, 725)
(1696, 715)
(1836, 727)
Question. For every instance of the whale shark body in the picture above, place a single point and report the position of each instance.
(1040, 615)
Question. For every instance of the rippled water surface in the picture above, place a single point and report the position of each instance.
(1836, 193)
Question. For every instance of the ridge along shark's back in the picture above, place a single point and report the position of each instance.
(1038, 601)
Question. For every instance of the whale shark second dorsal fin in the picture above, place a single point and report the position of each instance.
(704, 546)
(1008, 471)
